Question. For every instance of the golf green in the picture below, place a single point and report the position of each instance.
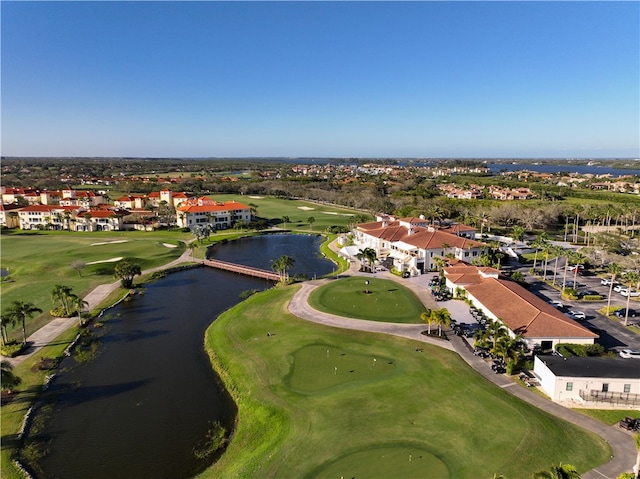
(405, 461)
(368, 298)
(321, 367)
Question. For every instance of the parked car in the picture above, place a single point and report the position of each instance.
(621, 313)
(629, 354)
(629, 292)
(607, 282)
(558, 304)
(578, 315)
(588, 292)
(618, 287)
(572, 284)
(574, 266)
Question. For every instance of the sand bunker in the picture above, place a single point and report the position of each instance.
(336, 213)
(305, 208)
(111, 260)
(109, 242)
(169, 245)
(256, 197)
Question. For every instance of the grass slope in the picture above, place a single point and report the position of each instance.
(430, 402)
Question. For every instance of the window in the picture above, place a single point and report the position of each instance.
(605, 387)
(569, 387)
(627, 388)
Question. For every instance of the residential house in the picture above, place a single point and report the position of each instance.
(42, 217)
(219, 215)
(172, 198)
(596, 382)
(99, 219)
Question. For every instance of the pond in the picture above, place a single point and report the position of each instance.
(141, 401)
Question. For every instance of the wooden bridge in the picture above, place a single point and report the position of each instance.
(239, 268)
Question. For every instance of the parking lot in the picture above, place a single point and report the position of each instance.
(613, 335)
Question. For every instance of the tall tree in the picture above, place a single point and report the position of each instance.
(427, 317)
(614, 269)
(125, 271)
(442, 319)
(77, 303)
(311, 220)
(5, 321)
(8, 380)
(78, 266)
(282, 265)
(60, 295)
(20, 311)
(631, 279)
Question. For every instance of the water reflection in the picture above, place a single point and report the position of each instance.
(148, 397)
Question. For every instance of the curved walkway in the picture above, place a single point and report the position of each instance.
(54, 328)
(622, 443)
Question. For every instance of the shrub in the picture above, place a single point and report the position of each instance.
(582, 350)
(11, 349)
(592, 297)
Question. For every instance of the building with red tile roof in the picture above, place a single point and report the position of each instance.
(413, 245)
(205, 211)
(521, 311)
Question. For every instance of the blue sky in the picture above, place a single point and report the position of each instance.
(339, 79)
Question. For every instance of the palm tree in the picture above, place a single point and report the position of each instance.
(510, 349)
(192, 245)
(614, 269)
(577, 259)
(8, 380)
(281, 265)
(77, 303)
(563, 471)
(518, 232)
(630, 279)
(5, 321)
(538, 243)
(496, 330)
(20, 311)
(558, 251)
(125, 271)
(369, 255)
(547, 249)
(311, 220)
(442, 318)
(427, 317)
(61, 294)
(285, 220)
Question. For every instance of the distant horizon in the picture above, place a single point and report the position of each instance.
(305, 79)
(423, 158)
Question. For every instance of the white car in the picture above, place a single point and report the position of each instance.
(629, 353)
(573, 314)
(629, 292)
(618, 287)
(574, 266)
(607, 282)
(556, 303)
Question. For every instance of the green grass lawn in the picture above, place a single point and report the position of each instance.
(39, 261)
(380, 300)
(313, 403)
(298, 211)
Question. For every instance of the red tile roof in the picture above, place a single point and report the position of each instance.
(525, 313)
